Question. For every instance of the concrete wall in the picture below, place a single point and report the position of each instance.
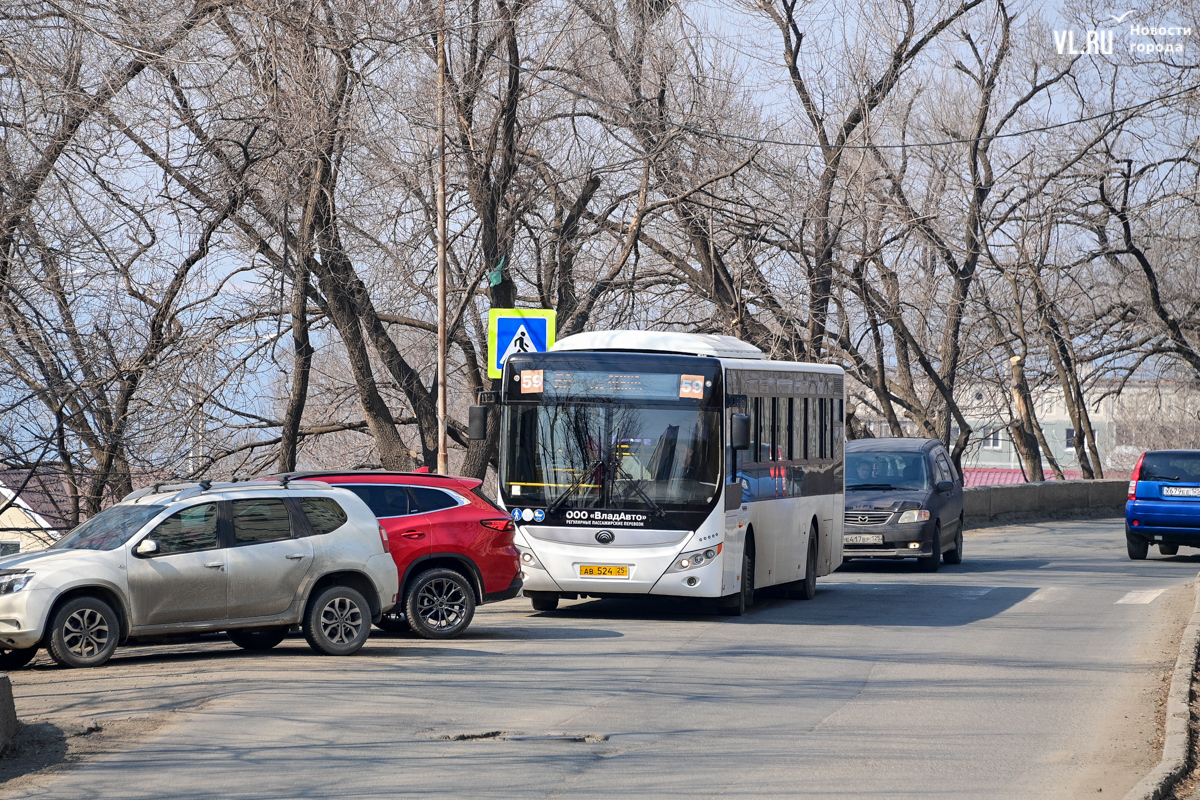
(1047, 499)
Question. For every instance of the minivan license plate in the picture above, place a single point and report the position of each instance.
(863, 538)
(1181, 491)
(602, 571)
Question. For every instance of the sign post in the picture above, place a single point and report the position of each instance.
(517, 330)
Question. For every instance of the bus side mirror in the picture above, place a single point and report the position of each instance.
(477, 423)
(739, 431)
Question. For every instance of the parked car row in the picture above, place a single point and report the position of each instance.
(331, 553)
(334, 552)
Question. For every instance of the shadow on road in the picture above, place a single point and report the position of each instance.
(35, 746)
(969, 565)
(837, 603)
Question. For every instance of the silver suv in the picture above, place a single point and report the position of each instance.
(251, 559)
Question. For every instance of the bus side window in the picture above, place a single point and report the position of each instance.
(756, 424)
(807, 426)
(774, 429)
(790, 438)
(839, 431)
(832, 428)
(822, 426)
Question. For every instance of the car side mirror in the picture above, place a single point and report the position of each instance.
(146, 547)
(739, 431)
(944, 486)
(477, 421)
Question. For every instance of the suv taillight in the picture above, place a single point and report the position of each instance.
(1133, 479)
(505, 529)
(387, 545)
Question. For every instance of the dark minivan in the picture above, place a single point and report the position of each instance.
(1164, 503)
(904, 499)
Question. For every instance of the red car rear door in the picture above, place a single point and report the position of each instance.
(409, 532)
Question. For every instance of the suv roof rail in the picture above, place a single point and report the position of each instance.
(183, 490)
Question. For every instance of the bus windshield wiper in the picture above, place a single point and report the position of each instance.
(637, 487)
(574, 487)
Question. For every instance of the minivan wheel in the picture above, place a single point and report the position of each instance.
(955, 556)
(1137, 546)
(83, 633)
(15, 659)
(439, 604)
(934, 561)
(1169, 549)
(338, 621)
(258, 638)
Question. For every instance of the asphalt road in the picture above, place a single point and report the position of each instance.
(1030, 670)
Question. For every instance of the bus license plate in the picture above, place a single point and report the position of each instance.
(1181, 491)
(602, 571)
(863, 538)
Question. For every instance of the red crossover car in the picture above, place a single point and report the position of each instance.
(453, 548)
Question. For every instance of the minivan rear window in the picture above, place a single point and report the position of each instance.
(1171, 467)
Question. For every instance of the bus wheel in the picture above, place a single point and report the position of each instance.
(543, 601)
(735, 605)
(807, 589)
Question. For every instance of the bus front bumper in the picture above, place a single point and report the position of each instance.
(558, 568)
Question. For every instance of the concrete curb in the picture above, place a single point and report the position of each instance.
(8, 712)
(1176, 758)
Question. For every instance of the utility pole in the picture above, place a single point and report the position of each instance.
(442, 460)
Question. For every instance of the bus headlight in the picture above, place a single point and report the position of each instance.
(913, 516)
(694, 559)
(528, 559)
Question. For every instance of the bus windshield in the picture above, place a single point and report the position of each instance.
(654, 458)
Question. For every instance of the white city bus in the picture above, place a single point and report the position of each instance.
(638, 462)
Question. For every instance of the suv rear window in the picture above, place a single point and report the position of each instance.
(432, 499)
(260, 520)
(478, 492)
(383, 500)
(1168, 466)
(324, 515)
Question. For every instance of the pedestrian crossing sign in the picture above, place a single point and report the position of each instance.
(517, 330)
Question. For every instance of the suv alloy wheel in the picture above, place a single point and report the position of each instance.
(83, 633)
(338, 621)
(439, 604)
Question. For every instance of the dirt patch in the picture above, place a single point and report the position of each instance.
(41, 750)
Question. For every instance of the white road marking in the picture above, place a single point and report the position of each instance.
(1043, 594)
(973, 592)
(1140, 597)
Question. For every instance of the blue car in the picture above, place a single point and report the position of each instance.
(1164, 503)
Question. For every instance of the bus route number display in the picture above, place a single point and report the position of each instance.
(691, 387)
(531, 381)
